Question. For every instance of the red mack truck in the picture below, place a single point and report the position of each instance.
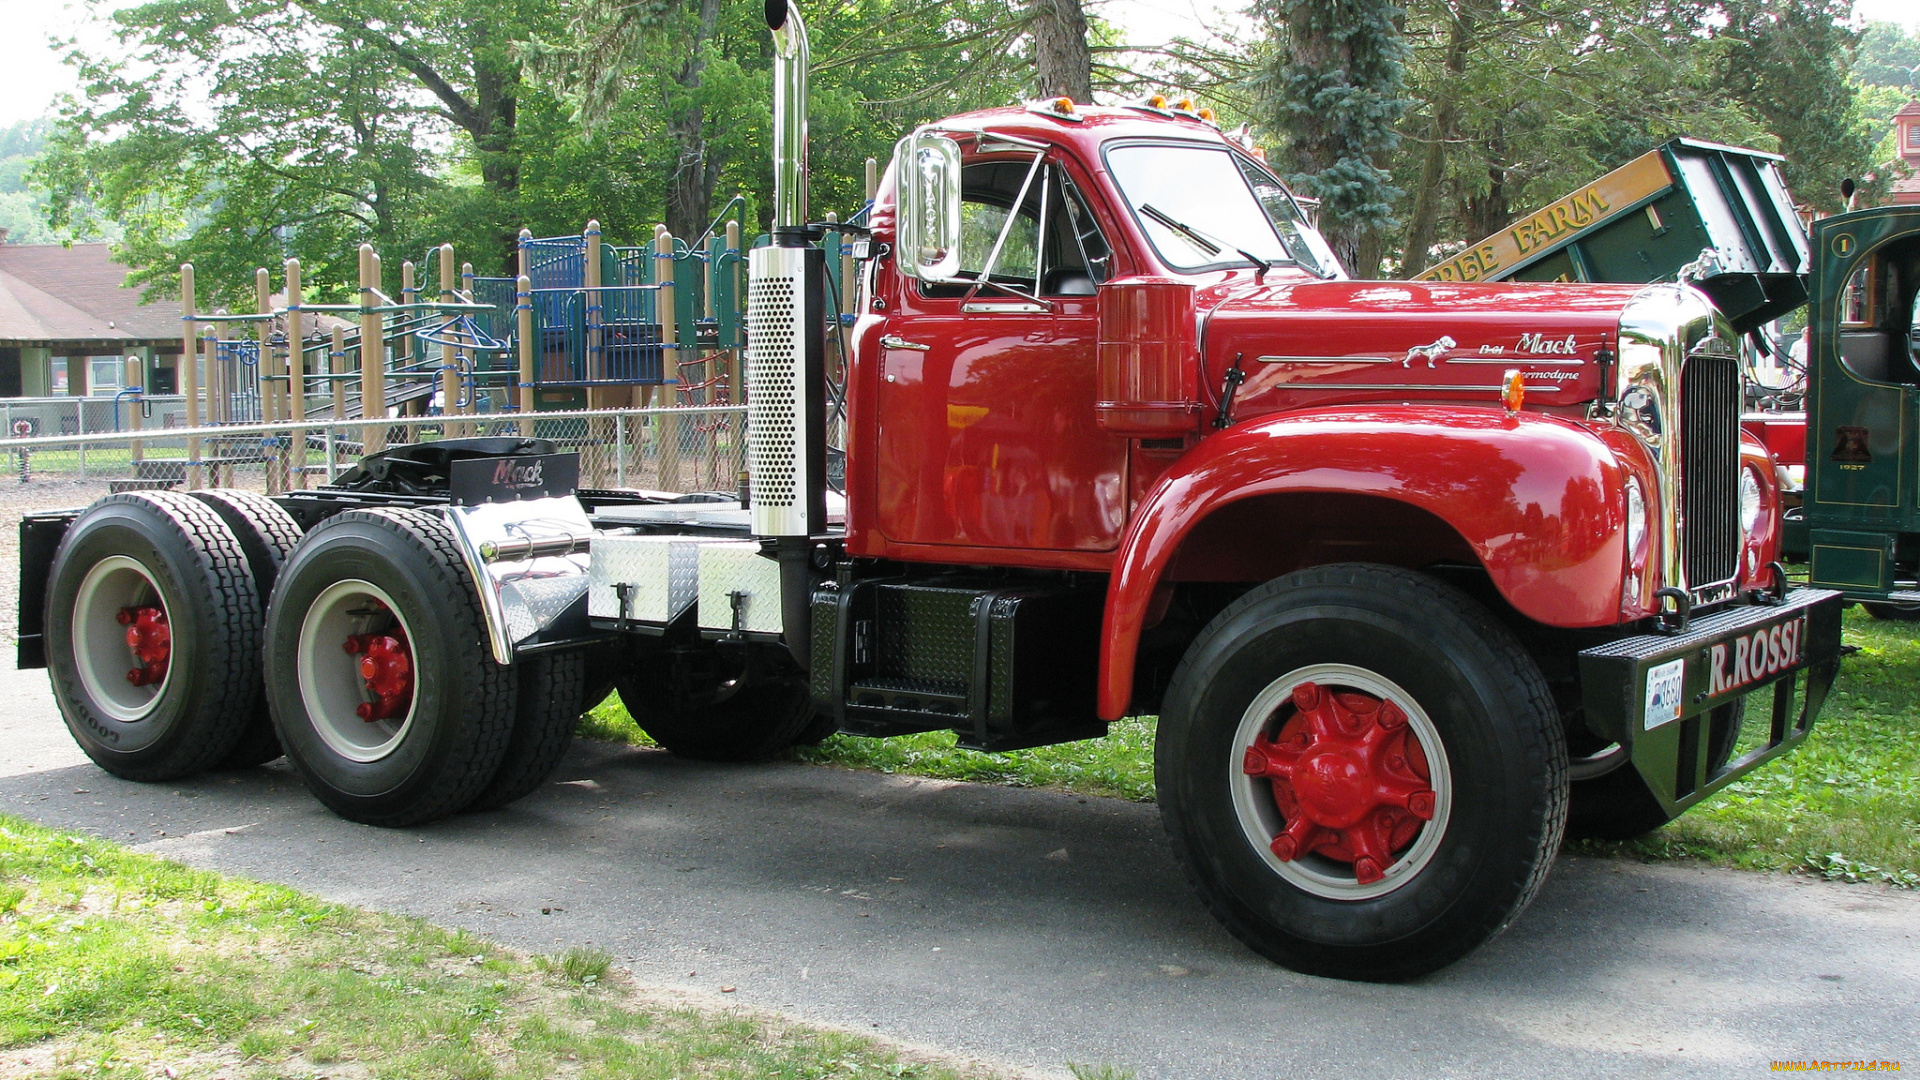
(1412, 573)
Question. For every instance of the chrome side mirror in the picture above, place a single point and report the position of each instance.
(926, 169)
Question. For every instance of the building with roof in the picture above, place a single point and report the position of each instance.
(69, 324)
(1906, 126)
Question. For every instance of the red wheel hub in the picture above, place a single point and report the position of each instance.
(1350, 778)
(151, 640)
(386, 667)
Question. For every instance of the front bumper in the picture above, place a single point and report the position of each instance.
(1652, 693)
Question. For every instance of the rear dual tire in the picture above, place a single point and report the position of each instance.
(422, 754)
(176, 565)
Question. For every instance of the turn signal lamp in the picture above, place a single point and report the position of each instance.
(1513, 390)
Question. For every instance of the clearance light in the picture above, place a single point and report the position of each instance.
(1157, 101)
(1060, 108)
(1513, 390)
(1207, 115)
(1183, 105)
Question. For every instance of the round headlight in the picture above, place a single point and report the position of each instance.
(1636, 517)
(1749, 500)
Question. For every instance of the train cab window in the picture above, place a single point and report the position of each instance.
(1877, 324)
(1047, 245)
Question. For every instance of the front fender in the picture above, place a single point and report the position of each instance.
(1538, 498)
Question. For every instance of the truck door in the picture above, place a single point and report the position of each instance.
(987, 434)
(1864, 412)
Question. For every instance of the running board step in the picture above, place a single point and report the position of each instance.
(1005, 666)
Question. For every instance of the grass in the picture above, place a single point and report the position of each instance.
(118, 965)
(1845, 804)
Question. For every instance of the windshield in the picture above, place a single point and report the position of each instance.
(1203, 206)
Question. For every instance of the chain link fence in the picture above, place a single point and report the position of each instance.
(662, 449)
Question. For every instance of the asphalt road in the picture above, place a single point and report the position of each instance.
(1034, 928)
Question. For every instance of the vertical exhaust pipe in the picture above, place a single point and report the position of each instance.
(787, 349)
(790, 60)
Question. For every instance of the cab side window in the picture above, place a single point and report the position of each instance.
(1052, 248)
(1879, 335)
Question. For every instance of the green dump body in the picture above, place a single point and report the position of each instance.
(1651, 217)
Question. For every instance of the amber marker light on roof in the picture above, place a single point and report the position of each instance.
(1513, 390)
(1207, 115)
(1157, 101)
(1063, 105)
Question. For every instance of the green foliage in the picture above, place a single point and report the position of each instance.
(1335, 87)
(1888, 56)
(585, 966)
(1787, 61)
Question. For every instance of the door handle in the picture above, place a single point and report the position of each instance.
(895, 341)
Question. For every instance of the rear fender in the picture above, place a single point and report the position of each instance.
(1538, 499)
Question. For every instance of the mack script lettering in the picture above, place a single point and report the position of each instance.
(512, 476)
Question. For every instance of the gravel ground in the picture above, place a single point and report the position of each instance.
(17, 499)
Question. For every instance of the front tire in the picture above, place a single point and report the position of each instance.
(1361, 771)
(387, 698)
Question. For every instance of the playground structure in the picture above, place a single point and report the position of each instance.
(654, 331)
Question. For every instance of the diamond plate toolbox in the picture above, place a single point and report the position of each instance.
(661, 575)
(733, 567)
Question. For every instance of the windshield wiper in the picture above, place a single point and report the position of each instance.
(1202, 240)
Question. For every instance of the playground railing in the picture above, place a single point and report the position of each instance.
(664, 449)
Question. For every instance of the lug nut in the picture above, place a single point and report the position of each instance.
(1420, 805)
(1284, 848)
(1255, 763)
(1306, 696)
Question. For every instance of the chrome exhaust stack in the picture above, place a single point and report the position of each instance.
(787, 349)
(790, 60)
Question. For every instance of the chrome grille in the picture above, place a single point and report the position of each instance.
(1710, 469)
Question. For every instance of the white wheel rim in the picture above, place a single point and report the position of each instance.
(330, 684)
(100, 650)
(1261, 820)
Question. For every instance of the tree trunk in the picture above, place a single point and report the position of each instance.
(1063, 67)
(1424, 227)
(1489, 213)
(696, 168)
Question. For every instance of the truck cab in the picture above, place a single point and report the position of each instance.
(1860, 524)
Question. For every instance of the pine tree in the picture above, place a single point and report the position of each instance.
(1334, 87)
